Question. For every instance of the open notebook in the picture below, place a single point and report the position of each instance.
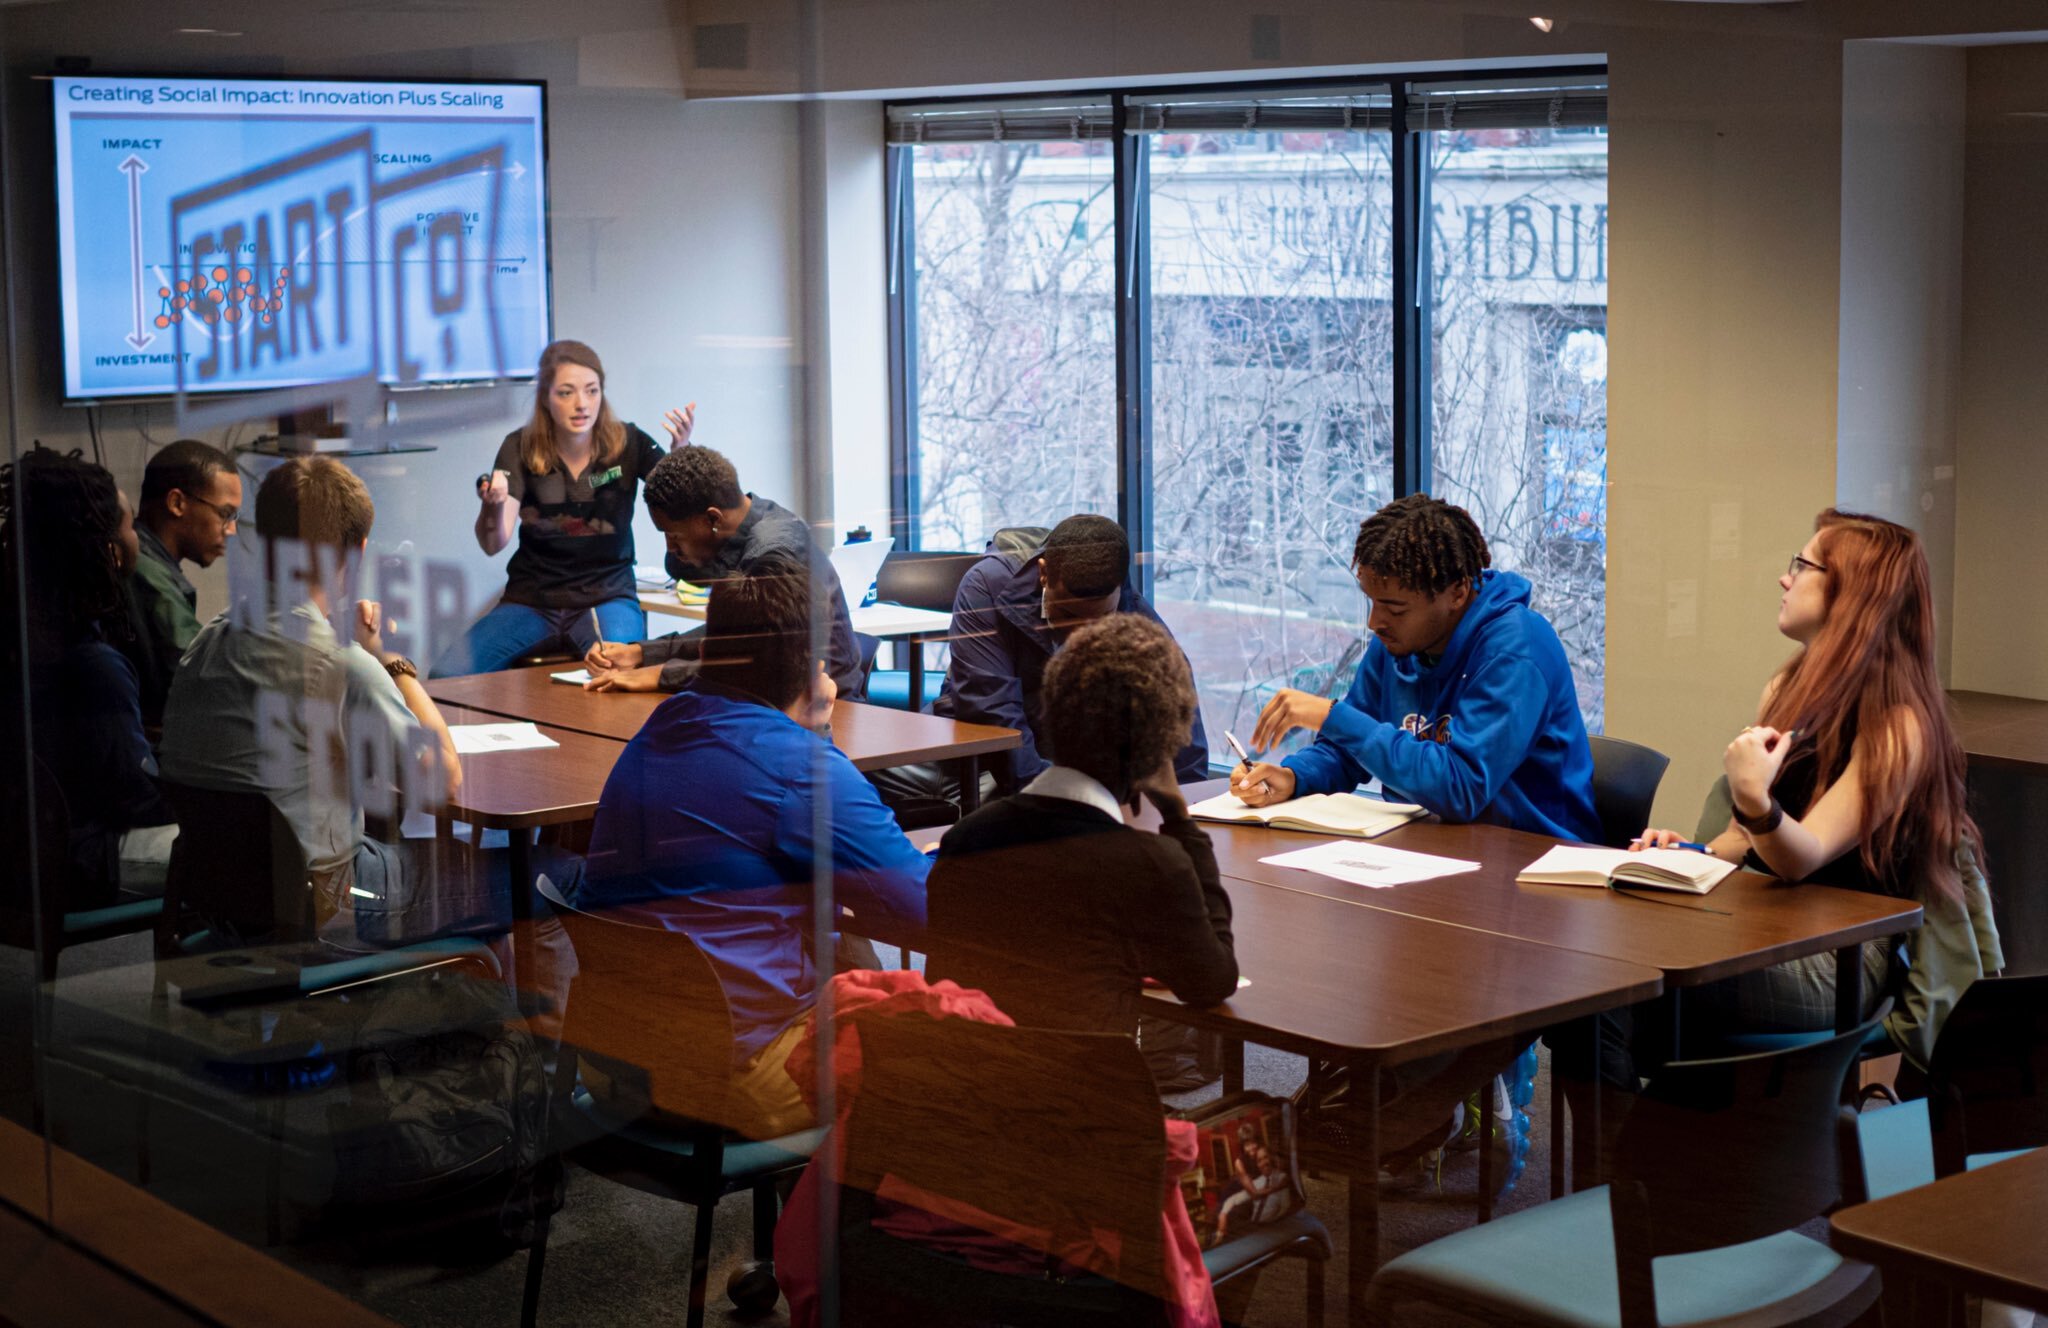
(1318, 813)
(1660, 868)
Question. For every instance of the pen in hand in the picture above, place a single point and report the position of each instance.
(597, 630)
(1244, 760)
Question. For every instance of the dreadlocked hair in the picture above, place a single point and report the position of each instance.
(1424, 543)
(60, 516)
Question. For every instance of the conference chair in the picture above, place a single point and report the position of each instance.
(37, 909)
(918, 579)
(1053, 1132)
(1625, 779)
(647, 1016)
(1713, 1166)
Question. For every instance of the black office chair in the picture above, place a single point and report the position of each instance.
(39, 904)
(1716, 1163)
(647, 1011)
(918, 579)
(1054, 1131)
(237, 876)
(1625, 779)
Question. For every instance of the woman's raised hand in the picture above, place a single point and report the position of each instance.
(680, 424)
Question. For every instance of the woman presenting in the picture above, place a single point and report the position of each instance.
(565, 483)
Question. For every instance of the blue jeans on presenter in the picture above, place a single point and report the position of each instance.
(511, 632)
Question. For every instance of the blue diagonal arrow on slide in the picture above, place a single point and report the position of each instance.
(133, 168)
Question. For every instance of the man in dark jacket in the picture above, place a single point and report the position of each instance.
(716, 532)
(1014, 610)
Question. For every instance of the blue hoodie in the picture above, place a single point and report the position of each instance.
(1490, 733)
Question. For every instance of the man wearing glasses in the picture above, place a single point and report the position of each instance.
(191, 494)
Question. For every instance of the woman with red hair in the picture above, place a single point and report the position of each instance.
(1852, 776)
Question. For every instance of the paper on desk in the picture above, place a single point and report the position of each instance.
(513, 737)
(1373, 865)
(574, 677)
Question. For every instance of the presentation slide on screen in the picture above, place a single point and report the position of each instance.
(237, 234)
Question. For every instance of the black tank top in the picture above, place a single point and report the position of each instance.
(1798, 780)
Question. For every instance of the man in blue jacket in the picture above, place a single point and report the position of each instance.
(708, 825)
(1464, 701)
(1014, 609)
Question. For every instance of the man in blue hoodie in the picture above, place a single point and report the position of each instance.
(1464, 701)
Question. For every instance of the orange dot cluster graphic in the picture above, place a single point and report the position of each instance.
(219, 296)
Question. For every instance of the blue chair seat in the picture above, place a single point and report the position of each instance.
(1554, 1264)
(743, 1160)
(1878, 1043)
(891, 687)
(114, 920)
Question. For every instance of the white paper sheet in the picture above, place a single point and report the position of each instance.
(471, 739)
(1372, 865)
(574, 677)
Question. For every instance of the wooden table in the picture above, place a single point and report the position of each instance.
(1371, 988)
(1999, 730)
(1978, 1231)
(873, 737)
(1749, 922)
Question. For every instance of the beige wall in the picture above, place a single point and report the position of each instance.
(2001, 639)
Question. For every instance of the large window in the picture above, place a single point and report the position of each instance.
(1009, 287)
(1306, 301)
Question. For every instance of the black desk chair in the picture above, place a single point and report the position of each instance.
(1714, 1165)
(1054, 1131)
(39, 908)
(918, 579)
(647, 1011)
(1625, 779)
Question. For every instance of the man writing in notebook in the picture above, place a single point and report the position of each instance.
(1464, 701)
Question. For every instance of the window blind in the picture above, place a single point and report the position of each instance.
(1299, 112)
(989, 122)
(1508, 104)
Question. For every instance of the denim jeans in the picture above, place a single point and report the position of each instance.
(509, 632)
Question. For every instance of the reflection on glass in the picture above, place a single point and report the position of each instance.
(1518, 234)
(1016, 392)
(1271, 399)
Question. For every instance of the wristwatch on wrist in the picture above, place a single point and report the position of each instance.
(1763, 823)
(398, 666)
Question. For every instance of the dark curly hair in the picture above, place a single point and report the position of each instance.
(1118, 701)
(689, 482)
(60, 516)
(1425, 543)
(757, 630)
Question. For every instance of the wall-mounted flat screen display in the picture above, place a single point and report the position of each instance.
(234, 235)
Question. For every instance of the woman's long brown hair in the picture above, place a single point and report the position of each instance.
(537, 439)
(1871, 663)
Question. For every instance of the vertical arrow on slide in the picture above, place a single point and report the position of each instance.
(133, 168)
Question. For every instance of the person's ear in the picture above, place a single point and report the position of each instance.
(175, 504)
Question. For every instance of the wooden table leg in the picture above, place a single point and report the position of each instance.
(970, 784)
(1558, 1109)
(1363, 1190)
(1487, 1122)
(915, 645)
(1233, 1065)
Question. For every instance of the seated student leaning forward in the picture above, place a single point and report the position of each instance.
(1464, 701)
(706, 826)
(1046, 900)
(1014, 610)
(717, 530)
